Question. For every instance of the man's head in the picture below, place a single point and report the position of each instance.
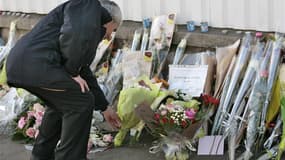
(115, 12)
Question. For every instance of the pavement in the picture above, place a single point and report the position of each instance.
(10, 150)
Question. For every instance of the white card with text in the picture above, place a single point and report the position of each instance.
(189, 79)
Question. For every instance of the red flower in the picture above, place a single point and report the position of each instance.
(210, 100)
(164, 120)
(156, 116)
(205, 98)
(171, 121)
(272, 125)
(184, 124)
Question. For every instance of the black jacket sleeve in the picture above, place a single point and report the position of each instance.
(80, 33)
(100, 101)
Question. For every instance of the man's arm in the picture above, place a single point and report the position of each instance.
(100, 100)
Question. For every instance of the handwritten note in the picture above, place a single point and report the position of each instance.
(188, 78)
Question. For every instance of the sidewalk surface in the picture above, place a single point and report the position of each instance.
(10, 150)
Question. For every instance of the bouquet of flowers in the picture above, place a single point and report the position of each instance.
(176, 119)
(99, 141)
(28, 123)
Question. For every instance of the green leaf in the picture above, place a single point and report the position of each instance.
(18, 136)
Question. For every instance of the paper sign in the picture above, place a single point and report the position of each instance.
(188, 78)
(211, 145)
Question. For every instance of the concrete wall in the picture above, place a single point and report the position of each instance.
(214, 38)
(264, 15)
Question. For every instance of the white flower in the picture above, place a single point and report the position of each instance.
(38, 107)
(108, 138)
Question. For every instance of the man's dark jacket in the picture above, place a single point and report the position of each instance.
(62, 45)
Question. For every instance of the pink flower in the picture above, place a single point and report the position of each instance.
(30, 132)
(31, 114)
(190, 114)
(38, 123)
(170, 106)
(37, 133)
(39, 115)
(22, 122)
(89, 145)
(38, 107)
(108, 138)
(163, 112)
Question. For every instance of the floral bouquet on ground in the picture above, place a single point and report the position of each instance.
(28, 123)
(175, 121)
(99, 142)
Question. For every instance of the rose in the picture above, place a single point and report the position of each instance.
(210, 100)
(31, 114)
(38, 123)
(22, 122)
(156, 116)
(184, 124)
(30, 132)
(170, 107)
(190, 114)
(164, 120)
(38, 107)
(163, 112)
(39, 115)
(108, 138)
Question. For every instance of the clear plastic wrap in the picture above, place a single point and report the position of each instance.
(240, 66)
(180, 51)
(136, 40)
(203, 58)
(11, 105)
(134, 66)
(4, 51)
(161, 35)
(112, 83)
(101, 49)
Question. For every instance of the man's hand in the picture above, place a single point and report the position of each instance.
(112, 118)
(82, 83)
